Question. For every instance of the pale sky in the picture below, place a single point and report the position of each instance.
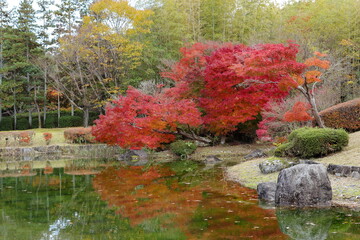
(15, 3)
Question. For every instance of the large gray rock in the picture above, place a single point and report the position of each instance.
(274, 165)
(266, 192)
(303, 185)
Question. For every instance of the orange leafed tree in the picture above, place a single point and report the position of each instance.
(306, 83)
(298, 113)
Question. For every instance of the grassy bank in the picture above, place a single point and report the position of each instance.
(38, 139)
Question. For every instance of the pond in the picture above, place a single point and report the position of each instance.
(179, 200)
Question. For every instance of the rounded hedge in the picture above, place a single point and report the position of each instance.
(183, 148)
(313, 142)
(344, 115)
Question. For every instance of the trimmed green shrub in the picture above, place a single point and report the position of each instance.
(282, 149)
(344, 115)
(313, 142)
(6, 124)
(70, 121)
(22, 123)
(183, 148)
(51, 121)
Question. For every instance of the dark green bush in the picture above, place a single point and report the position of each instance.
(70, 121)
(22, 123)
(51, 121)
(6, 124)
(183, 148)
(313, 142)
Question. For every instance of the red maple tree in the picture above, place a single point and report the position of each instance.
(138, 120)
(220, 85)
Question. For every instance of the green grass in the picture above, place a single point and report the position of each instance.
(38, 140)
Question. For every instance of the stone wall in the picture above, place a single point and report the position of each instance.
(59, 151)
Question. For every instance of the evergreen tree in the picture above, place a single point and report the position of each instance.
(4, 22)
(29, 48)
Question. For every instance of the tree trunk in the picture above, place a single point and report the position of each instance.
(45, 93)
(37, 108)
(193, 136)
(222, 140)
(86, 116)
(58, 110)
(315, 112)
(30, 118)
(15, 116)
(311, 99)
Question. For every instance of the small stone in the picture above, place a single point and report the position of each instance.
(355, 175)
(266, 192)
(255, 154)
(212, 159)
(273, 165)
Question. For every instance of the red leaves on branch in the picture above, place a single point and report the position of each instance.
(138, 120)
(298, 113)
(240, 80)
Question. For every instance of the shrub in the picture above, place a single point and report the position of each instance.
(344, 115)
(51, 121)
(47, 137)
(79, 135)
(22, 123)
(70, 121)
(282, 150)
(35, 121)
(183, 148)
(313, 142)
(6, 124)
(24, 138)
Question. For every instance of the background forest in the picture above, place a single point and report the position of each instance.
(61, 63)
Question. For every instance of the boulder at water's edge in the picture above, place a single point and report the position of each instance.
(303, 185)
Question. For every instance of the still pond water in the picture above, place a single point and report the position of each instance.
(179, 200)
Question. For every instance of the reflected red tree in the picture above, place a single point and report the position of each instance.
(214, 209)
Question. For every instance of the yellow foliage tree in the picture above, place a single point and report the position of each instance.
(95, 63)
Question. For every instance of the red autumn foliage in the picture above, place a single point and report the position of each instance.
(47, 136)
(138, 120)
(299, 113)
(240, 80)
(25, 138)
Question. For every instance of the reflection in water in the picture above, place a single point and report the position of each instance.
(200, 203)
(174, 201)
(305, 224)
(54, 229)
